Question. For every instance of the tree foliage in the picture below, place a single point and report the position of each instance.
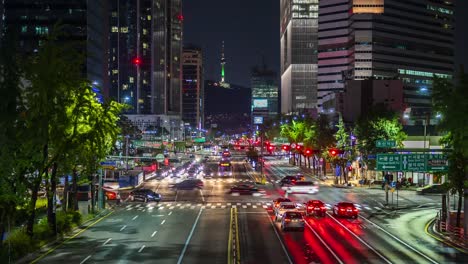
(378, 124)
(449, 100)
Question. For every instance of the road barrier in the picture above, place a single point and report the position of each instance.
(453, 233)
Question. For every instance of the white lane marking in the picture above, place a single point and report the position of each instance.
(368, 208)
(107, 241)
(238, 203)
(136, 216)
(138, 205)
(249, 204)
(192, 207)
(172, 207)
(323, 242)
(223, 206)
(244, 206)
(278, 236)
(178, 204)
(218, 204)
(181, 257)
(84, 260)
(163, 221)
(362, 241)
(208, 204)
(378, 208)
(130, 205)
(202, 197)
(213, 207)
(399, 240)
(154, 233)
(254, 206)
(141, 249)
(228, 203)
(123, 227)
(169, 213)
(128, 209)
(264, 206)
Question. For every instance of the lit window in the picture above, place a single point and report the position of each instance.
(130, 79)
(114, 14)
(42, 30)
(124, 87)
(115, 29)
(148, 17)
(115, 71)
(145, 31)
(124, 29)
(24, 29)
(145, 45)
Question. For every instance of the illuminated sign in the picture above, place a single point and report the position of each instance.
(305, 8)
(258, 120)
(260, 103)
(368, 6)
(225, 164)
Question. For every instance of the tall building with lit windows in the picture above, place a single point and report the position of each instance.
(130, 54)
(410, 40)
(145, 55)
(193, 101)
(298, 33)
(84, 23)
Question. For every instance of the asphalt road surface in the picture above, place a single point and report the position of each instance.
(214, 226)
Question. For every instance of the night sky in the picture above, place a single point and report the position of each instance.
(250, 29)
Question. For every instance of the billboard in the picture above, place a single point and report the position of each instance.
(260, 103)
(258, 120)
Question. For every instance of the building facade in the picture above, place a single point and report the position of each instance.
(145, 55)
(81, 21)
(264, 87)
(167, 25)
(409, 40)
(299, 32)
(193, 88)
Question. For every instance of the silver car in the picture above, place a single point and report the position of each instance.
(292, 220)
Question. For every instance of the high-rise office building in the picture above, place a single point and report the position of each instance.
(299, 30)
(130, 54)
(81, 21)
(167, 24)
(264, 85)
(145, 55)
(193, 88)
(411, 40)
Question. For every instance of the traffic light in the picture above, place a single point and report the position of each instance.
(271, 148)
(286, 148)
(298, 147)
(308, 152)
(334, 152)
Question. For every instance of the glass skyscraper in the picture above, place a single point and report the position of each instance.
(193, 88)
(411, 40)
(299, 30)
(264, 85)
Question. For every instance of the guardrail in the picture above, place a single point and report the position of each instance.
(455, 234)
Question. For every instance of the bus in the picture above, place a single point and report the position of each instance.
(225, 168)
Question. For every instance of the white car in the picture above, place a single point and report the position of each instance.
(302, 187)
(285, 207)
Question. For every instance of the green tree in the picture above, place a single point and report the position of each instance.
(13, 193)
(324, 139)
(377, 124)
(449, 99)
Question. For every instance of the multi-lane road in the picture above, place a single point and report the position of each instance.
(213, 226)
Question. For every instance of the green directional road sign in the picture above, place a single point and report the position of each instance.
(385, 143)
(437, 162)
(414, 162)
(388, 162)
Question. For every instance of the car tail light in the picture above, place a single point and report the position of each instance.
(310, 207)
(287, 220)
(323, 208)
(341, 209)
(355, 210)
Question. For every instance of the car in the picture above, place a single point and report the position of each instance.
(208, 173)
(245, 189)
(287, 180)
(145, 195)
(190, 184)
(302, 187)
(279, 200)
(292, 219)
(315, 207)
(345, 209)
(110, 195)
(300, 177)
(431, 189)
(284, 207)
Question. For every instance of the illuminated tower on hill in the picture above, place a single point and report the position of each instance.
(223, 62)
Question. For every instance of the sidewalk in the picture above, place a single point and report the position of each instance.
(458, 242)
